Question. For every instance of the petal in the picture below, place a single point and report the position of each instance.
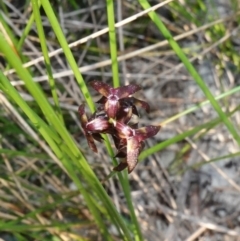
(141, 104)
(146, 132)
(119, 142)
(103, 100)
(125, 91)
(132, 101)
(124, 114)
(121, 166)
(111, 107)
(91, 142)
(82, 115)
(142, 146)
(135, 112)
(81, 109)
(121, 154)
(122, 150)
(100, 87)
(124, 131)
(133, 150)
(97, 137)
(98, 125)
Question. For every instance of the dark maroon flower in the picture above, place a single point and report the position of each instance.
(119, 142)
(113, 95)
(125, 163)
(113, 117)
(124, 114)
(93, 127)
(133, 102)
(127, 103)
(84, 120)
(134, 140)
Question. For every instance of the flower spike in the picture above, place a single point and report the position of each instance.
(114, 117)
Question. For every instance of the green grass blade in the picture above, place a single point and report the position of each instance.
(112, 41)
(156, 19)
(46, 58)
(137, 229)
(62, 40)
(27, 29)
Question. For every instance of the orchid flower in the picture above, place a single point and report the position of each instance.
(112, 96)
(93, 127)
(134, 140)
(133, 102)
